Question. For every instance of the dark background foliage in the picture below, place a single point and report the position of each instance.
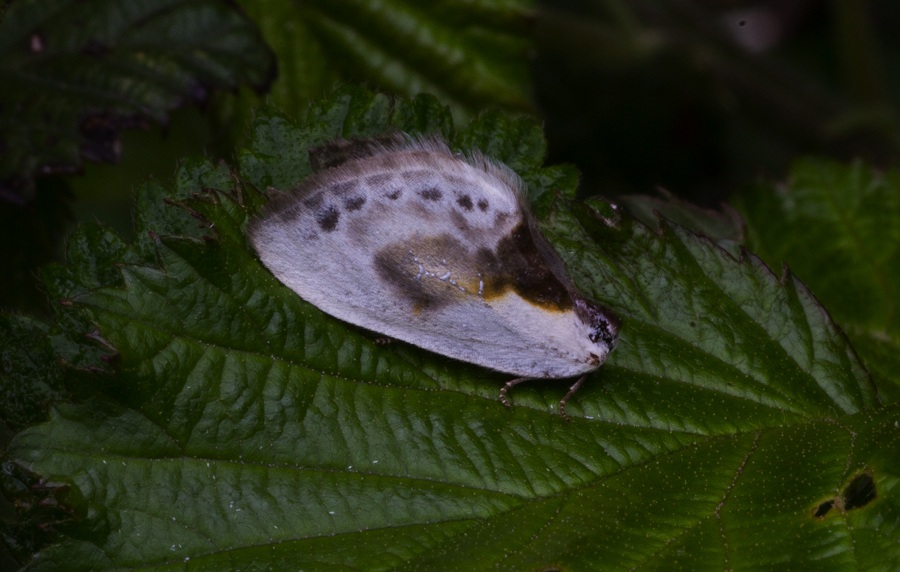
(696, 97)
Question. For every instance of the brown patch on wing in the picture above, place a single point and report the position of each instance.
(518, 264)
(428, 272)
(431, 272)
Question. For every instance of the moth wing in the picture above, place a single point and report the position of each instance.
(429, 248)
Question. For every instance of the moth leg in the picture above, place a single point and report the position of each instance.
(509, 385)
(572, 390)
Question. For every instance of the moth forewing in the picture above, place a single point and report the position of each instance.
(408, 239)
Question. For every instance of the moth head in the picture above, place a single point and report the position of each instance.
(601, 326)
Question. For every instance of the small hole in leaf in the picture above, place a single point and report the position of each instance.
(860, 492)
(823, 508)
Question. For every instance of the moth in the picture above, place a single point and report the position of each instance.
(406, 238)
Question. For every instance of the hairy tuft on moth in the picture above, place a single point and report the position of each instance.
(406, 238)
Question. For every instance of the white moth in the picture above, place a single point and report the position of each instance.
(408, 239)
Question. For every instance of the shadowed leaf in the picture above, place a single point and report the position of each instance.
(76, 73)
(838, 228)
(469, 54)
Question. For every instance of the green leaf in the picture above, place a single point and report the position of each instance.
(725, 226)
(29, 377)
(76, 73)
(247, 429)
(838, 227)
(470, 54)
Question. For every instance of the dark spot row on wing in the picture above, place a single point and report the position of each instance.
(353, 192)
(354, 203)
(328, 218)
(431, 194)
